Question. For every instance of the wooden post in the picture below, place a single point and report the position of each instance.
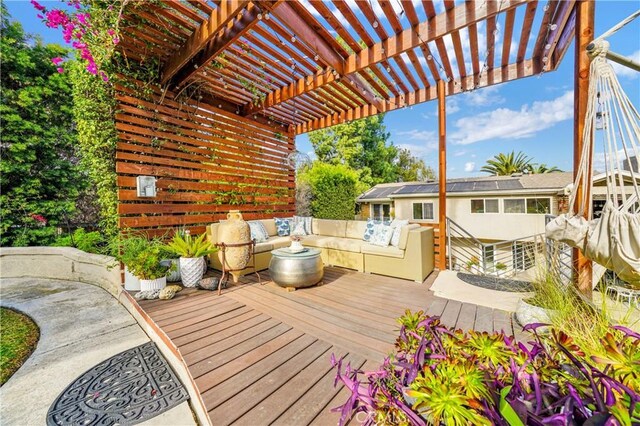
(442, 176)
(584, 35)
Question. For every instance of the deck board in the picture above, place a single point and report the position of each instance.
(261, 355)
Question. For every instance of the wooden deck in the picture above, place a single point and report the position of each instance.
(260, 355)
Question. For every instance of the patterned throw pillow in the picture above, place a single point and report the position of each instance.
(397, 225)
(382, 234)
(258, 232)
(306, 223)
(368, 232)
(283, 226)
(298, 229)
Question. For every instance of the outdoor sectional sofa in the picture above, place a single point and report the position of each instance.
(341, 244)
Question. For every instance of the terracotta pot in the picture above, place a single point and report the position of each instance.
(150, 285)
(235, 231)
(191, 270)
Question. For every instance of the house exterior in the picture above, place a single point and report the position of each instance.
(498, 222)
(489, 208)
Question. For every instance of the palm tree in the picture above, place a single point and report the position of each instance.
(542, 168)
(507, 164)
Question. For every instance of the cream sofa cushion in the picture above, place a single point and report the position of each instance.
(404, 235)
(262, 247)
(315, 241)
(389, 251)
(343, 244)
(331, 228)
(279, 242)
(356, 228)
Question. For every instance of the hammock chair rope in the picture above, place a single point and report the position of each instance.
(613, 239)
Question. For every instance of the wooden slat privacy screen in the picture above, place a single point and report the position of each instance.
(207, 161)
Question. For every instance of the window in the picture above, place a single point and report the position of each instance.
(381, 211)
(491, 206)
(423, 211)
(477, 206)
(538, 205)
(488, 253)
(514, 205)
(485, 206)
(528, 205)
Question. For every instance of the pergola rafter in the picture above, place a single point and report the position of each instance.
(311, 67)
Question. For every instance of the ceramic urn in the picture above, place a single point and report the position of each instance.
(234, 231)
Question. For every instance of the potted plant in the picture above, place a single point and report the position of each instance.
(172, 260)
(148, 267)
(141, 257)
(125, 247)
(472, 265)
(192, 252)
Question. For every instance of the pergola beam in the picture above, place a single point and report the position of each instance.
(560, 20)
(223, 29)
(432, 30)
(310, 36)
(512, 71)
(219, 18)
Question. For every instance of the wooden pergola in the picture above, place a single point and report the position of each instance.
(312, 64)
(272, 69)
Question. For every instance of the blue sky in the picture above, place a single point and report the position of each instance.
(533, 115)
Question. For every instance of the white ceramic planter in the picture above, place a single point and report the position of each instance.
(150, 285)
(173, 275)
(528, 314)
(191, 270)
(131, 282)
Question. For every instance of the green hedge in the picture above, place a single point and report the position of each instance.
(334, 190)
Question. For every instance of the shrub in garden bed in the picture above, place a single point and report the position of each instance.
(443, 376)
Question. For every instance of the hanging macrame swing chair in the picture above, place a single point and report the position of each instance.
(613, 239)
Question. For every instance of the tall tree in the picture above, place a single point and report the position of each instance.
(39, 177)
(507, 164)
(543, 168)
(364, 145)
(411, 168)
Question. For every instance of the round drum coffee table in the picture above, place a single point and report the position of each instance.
(296, 270)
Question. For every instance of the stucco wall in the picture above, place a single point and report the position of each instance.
(486, 226)
(60, 263)
(70, 264)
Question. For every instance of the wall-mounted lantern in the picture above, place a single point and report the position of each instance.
(146, 186)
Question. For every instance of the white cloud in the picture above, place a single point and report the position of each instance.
(505, 123)
(484, 97)
(469, 167)
(452, 106)
(424, 141)
(622, 71)
(460, 153)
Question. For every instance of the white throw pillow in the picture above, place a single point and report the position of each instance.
(397, 225)
(258, 232)
(306, 221)
(298, 229)
(381, 235)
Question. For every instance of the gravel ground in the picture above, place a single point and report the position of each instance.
(494, 283)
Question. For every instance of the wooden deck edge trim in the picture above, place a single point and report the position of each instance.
(170, 352)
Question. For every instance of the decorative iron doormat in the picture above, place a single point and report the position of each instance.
(128, 388)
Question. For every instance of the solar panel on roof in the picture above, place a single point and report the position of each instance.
(510, 184)
(485, 185)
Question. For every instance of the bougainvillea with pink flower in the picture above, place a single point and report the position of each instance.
(78, 30)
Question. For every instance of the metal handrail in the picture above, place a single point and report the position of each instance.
(463, 247)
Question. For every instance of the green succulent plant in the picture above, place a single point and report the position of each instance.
(185, 245)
